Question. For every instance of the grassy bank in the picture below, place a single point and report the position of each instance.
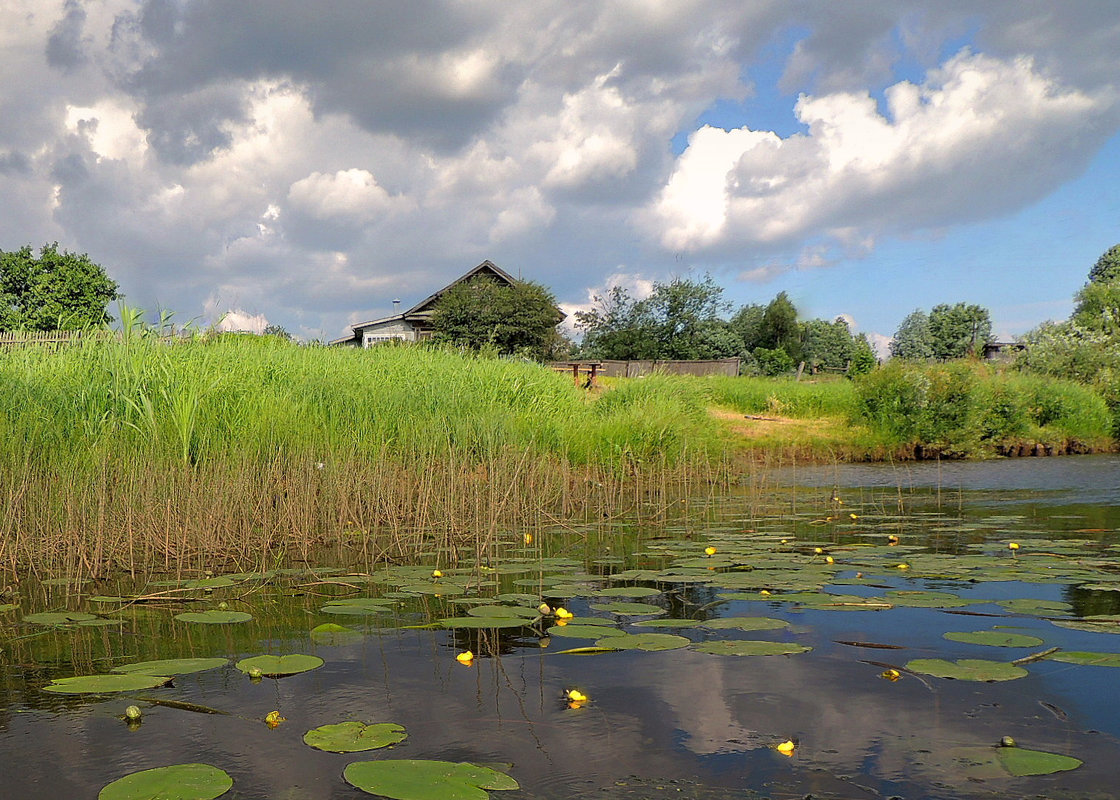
(954, 410)
(136, 454)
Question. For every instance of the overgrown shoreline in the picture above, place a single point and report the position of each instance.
(136, 455)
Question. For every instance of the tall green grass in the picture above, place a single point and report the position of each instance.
(139, 453)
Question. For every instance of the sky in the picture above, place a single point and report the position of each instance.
(305, 164)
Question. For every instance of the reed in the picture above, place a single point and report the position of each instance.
(137, 455)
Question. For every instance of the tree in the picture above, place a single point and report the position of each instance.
(826, 344)
(520, 318)
(747, 325)
(958, 330)
(617, 327)
(278, 331)
(53, 291)
(863, 356)
(1107, 268)
(779, 328)
(912, 340)
(1098, 306)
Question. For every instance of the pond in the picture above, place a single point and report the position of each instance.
(864, 631)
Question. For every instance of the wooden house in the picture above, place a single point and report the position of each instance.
(415, 324)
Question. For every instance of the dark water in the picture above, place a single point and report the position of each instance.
(680, 723)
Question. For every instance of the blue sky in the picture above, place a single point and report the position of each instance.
(304, 165)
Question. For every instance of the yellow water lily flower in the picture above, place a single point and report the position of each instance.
(765, 592)
(273, 718)
(436, 573)
(711, 551)
(528, 538)
(466, 657)
(544, 609)
(576, 696)
(786, 748)
(903, 566)
(891, 675)
(563, 613)
(828, 560)
(853, 516)
(1013, 546)
(892, 539)
(818, 550)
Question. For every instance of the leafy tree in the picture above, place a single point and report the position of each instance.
(53, 291)
(482, 313)
(773, 361)
(747, 325)
(779, 329)
(276, 330)
(863, 356)
(681, 319)
(617, 327)
(1098, 306)
(912, 340)
(1107, 268)
(958, 330)
(826, 344)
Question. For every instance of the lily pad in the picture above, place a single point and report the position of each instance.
(1038, 608)
(582, 631)
(59, 617)
(504, 611)
(668, 622)
(483, 622)
(750, 647)
(426, 780)
(644, 641)
(627, 591)
(355, 609)
(177, 782)
(103, 684)
(744, 624)
(214, 617)
(967, 669)
(628, 608)
(279, 666)
(1102, 623)
(993, 638)
(1021, 763)
(354, 737)
(1080, 657)
(171, 666)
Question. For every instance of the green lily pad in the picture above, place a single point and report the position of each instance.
(628, 608)
(171, 666)
(1021, 763)
(483, 622)
(354, 737)
(1080, 657)
(668, 622)
(750, 647)
(744, 624)
(1039, 608)
(519, 612)
(582, 631)
(214, 617)
(1101, 623)
(178, 782)
(102, 684)
(993, 638)
(354, 609)
(644, 641)
(627, 591)
(426, 780)
(967, 669)
(279, 666)
(330, 633)
(59, 617)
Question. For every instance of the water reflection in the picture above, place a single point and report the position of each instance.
(709, 723)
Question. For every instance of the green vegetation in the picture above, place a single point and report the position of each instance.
(138, 454)
(52, 291)
(518, 319)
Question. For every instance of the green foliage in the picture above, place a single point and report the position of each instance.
(773, 362)
(912, 340)
(53, 291)
(863, 356)
(779, 329)
(483, 314)
(747, 325)
(960, 409)
(826, 345)
(681, 319)
(798, 399)
(959, 330)
(1107, 268)
(1098, 307)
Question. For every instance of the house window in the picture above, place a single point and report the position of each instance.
(371, 339)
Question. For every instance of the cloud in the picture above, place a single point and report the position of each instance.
(977, 139)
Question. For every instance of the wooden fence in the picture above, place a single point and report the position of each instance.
(636, 369)
(13, 339)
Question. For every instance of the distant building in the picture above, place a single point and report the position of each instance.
(1003, 351)
(415, 324)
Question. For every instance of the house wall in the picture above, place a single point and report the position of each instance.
(388, 331)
